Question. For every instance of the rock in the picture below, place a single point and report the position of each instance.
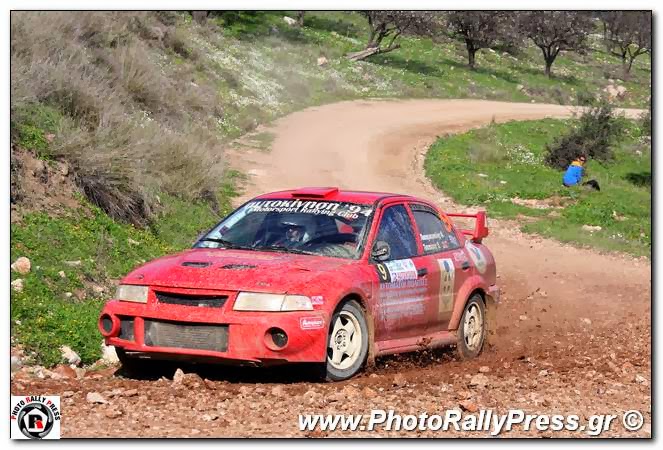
(113, 413)
(322, 61)
(62, 274)
(368, 392)
(15, 363)
(95, 397)
(68, 294)
(469, 406)
(80, 372)
(64, 371)
(502, 182)
(290, 21)
(278, 391)
(130, 393)
(591, 228)
(479, 380)
(520, 87)
(586, 321)
(399, 380)
(132, 242)
(70, 356)
(21, 265)
(350, 392)
(108, 354)
(209, 417)
(483, 175)
(311, 396)
(484, 369)
(640, 379)
(178, 377)
(74, 263)
(523, 318)
(17, 285)
(615, 91)
(68, 394)
(543, 373)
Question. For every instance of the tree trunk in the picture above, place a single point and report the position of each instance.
(300, 18)
(471, 56)
(363, 54)
(548, 70)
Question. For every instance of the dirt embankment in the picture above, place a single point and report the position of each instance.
(573, 332)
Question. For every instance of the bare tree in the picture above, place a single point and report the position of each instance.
(556, 31)
(481, 29)
(628, 35)
(387, 26)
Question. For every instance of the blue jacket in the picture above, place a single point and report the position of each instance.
(573, 174)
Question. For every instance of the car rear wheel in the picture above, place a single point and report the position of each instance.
(347, 343)
(472, 328)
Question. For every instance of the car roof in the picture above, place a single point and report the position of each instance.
(334, 194)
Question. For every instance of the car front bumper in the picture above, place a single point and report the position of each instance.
(168, 331)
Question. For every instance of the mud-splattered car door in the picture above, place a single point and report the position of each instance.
(451, 265)
(403, 294)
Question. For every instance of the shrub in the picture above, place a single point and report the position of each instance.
(597, 130)
(645, 123)
(128, 122)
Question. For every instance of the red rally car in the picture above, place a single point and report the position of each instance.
(311, 275)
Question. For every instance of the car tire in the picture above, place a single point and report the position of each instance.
(347, 342)
(472, 328)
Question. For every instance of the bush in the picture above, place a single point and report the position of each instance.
(645, 123)
(128, 123)
(597, 130)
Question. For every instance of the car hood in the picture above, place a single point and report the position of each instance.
(226, 269)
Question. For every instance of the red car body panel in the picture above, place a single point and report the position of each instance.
(403, 314)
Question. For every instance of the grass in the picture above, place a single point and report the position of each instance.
(489, 167)
(52, 310)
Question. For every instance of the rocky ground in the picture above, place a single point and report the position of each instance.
(572, 335)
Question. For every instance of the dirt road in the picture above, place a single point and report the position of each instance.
(573, 334)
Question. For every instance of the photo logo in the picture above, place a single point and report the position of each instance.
(35, 417)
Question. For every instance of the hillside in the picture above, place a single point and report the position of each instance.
(120, 120)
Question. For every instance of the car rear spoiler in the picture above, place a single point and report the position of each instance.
(480, 227)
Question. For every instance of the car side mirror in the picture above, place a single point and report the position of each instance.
(381, 251)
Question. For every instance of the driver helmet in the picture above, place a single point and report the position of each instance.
(294, 232)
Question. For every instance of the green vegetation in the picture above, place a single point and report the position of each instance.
(501, 168)
(94, 252)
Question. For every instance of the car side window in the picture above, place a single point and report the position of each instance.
(396, 230)
(436, 235)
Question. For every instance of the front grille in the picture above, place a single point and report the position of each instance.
(186, 335)
(209, 301)
(126, 328)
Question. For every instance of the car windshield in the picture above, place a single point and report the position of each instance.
(315, 227)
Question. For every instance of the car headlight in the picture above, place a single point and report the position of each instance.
(131, 293)
(253, 301)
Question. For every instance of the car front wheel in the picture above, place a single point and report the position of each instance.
(347, 343)
(472, 328)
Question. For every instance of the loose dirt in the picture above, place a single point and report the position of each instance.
(573, 332)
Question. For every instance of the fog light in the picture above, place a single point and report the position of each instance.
(278, 337)
(109, 325)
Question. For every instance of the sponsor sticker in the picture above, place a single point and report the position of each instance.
(317, 300)
(311, 323)
(35, 417)
(398, 270)
(447, 281)
(477, 256)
